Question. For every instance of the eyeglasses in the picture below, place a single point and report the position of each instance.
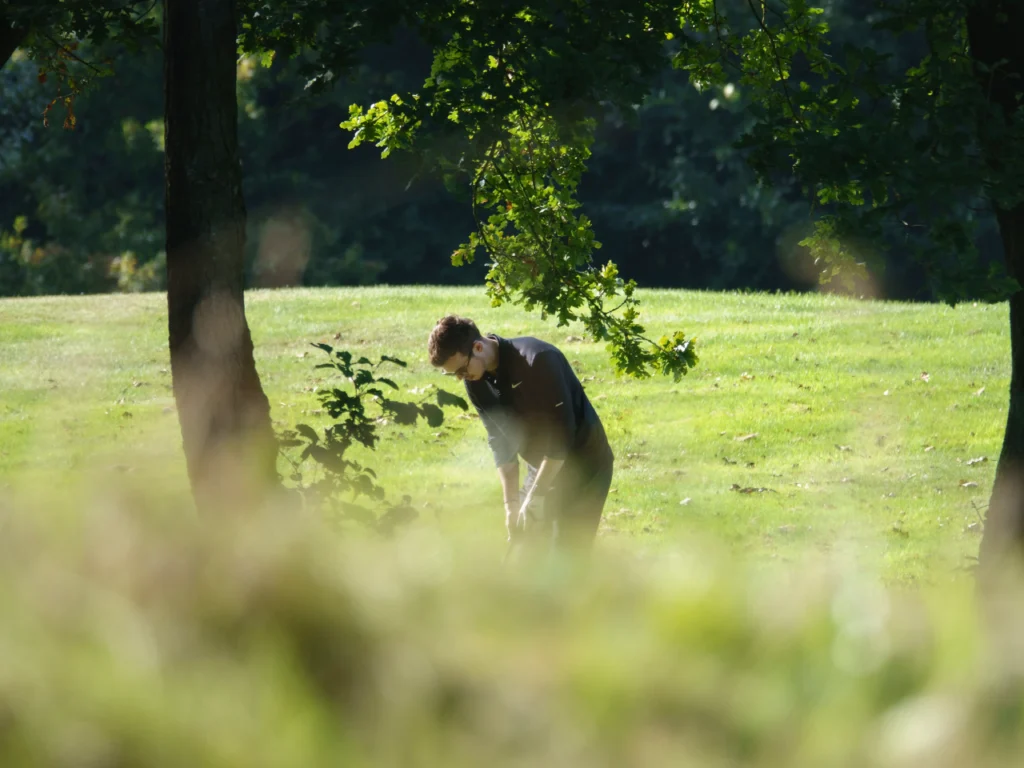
(460, 373)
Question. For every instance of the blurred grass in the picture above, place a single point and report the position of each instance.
(815, 427)
(132, 637)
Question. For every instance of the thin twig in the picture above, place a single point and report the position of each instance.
(61, 47)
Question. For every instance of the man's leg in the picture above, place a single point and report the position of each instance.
(580, 506)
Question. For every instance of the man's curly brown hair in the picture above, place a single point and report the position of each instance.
(451, 335)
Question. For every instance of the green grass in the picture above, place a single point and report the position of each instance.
(861, 458)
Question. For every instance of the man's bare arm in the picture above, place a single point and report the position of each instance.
(509, 474)
(546, 474)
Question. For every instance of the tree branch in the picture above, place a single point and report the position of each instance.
(66, 50)
(778, 63)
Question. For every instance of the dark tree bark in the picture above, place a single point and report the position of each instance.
(11, 36)
(994, 29)
(225, 416)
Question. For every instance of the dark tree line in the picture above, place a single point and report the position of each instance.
(673, 200)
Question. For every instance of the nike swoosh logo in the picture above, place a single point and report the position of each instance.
(516, 384)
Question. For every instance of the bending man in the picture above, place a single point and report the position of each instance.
(533, 406)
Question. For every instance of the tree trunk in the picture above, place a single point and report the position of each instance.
(1004, 523)
(225, 416)
(11, 36)
(993, 28)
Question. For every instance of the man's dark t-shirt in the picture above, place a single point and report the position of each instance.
(535, 406)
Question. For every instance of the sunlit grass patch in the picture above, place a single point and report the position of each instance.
(813, 424)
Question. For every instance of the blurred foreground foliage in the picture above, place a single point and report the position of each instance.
(134, 636)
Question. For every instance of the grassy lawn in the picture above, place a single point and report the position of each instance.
(813, 427)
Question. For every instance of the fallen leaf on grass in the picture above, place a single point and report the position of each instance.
(925, 377)
(979, 460)
(739, 489)
(745, 376)
(727, 460)
(968, 484)
(843, 447)
(685, 501)
(929, 448)
(744, 438)
(979, 391)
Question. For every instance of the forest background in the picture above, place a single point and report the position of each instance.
(673, 201)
